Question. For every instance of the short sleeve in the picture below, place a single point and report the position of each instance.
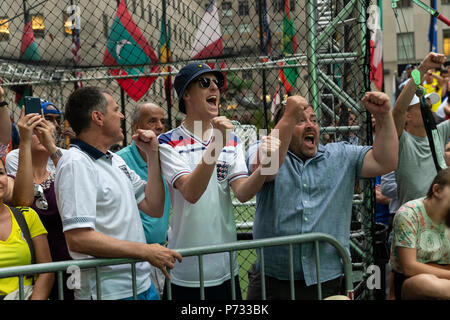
(33, 221)
(405, 228)
(356, 154)
(76, 192)
(172, 165)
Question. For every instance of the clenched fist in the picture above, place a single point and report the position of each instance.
(295, 105)
(377, 103)
(222, 129)
(146, 141)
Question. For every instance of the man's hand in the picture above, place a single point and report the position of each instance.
(377, 103)
(146, 141)
(268, 150)
(162, 257)
(295, 105)
(432, 61)
(222, 129)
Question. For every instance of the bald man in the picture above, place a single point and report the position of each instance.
(149, 116)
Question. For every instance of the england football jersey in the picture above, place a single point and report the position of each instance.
(211, 219)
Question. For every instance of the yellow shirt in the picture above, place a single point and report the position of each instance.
(434, 87)
(15, 251)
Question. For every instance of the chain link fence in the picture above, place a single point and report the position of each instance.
(268, 49)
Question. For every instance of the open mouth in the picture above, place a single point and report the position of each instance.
(212, 100)
(310, 140)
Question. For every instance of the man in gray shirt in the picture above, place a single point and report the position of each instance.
(416, 169)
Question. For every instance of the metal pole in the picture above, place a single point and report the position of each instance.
(264, 52)
(168, 79)
(312, 58)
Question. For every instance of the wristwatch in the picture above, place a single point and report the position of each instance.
(56, 155)
(3, 103)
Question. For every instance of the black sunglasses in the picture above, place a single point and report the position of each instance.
(206, 82)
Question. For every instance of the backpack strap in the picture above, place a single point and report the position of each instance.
(18, 215)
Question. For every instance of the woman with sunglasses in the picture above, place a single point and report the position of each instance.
(14, 249)
(41, 184)
(420, 252)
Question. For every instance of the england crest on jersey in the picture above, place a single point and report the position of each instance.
(222, 170)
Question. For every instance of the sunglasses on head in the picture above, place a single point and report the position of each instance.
(206, 82)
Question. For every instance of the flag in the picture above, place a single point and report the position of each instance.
(288, 47)
(376, 54)
(275, 102)
(208, 40)
(267, 36)
(126, 45)
(75, 49)
(28, 52)
(432, 31)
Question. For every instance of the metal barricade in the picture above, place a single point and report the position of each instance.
(62, 266)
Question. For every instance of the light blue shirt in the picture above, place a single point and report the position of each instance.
(315, 196)
(155, 229)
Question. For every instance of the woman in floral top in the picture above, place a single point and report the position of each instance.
(420, 252)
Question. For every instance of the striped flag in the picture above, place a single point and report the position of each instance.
(376, 53)
(288, 47)
(208, 39)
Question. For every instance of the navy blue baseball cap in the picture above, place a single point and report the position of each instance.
(189, 73)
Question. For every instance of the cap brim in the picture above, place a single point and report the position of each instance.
(434, 97)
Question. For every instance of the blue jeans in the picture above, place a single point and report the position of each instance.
(150, 294)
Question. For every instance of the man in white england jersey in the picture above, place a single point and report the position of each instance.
(201, 160)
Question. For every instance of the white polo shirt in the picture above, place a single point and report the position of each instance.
(99, 191)
(211, 219)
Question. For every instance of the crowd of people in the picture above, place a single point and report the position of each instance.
(172, 190)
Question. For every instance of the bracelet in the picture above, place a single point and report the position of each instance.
(56, 155)
(3, 103)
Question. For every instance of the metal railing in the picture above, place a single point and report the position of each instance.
(62, 266)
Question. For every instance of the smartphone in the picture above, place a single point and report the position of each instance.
(32, 105)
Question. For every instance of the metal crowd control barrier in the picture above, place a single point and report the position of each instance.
(62, 266)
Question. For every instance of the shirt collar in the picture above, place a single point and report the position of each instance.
(90, 150)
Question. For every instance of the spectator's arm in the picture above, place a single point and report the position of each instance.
(246, 188)
(295, 105)
(23, 194)
(383, 157)
(91, 242)
(5, 121)
(432, 60)
(44, 282)
(153, 203)
(380, 198)
(389, 185)
(411, 267)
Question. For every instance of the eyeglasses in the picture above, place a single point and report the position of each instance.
(206, 82)
(41, 201)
